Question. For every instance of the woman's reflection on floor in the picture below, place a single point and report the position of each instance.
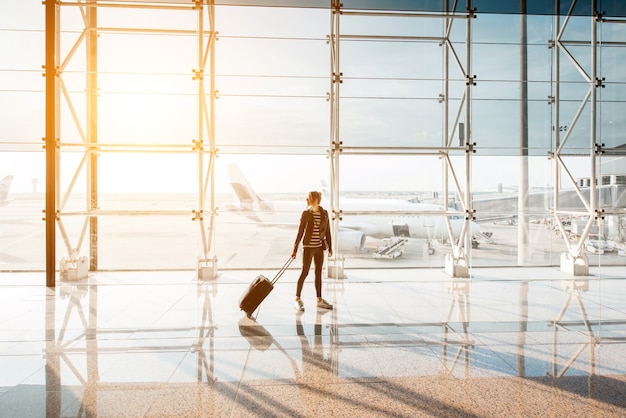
(316, 377)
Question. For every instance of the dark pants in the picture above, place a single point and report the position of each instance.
(317, 255)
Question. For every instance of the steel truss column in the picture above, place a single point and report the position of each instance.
(575, 261)
(73, 267)
(207, 263)
(91, 43)
(469, 145)
(52, 129)
(335, 265)
(523, 250)
(457, 263)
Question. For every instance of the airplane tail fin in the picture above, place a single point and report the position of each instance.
(325, 189)
(248, 198)
(5, 185)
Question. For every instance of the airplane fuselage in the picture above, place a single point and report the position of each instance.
(399, 219)
(375, 218)
(358, 218)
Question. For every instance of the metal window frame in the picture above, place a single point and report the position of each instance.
(203, 147)
(205, 141)
(459, 259)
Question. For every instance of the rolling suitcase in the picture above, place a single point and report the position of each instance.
(258, 290)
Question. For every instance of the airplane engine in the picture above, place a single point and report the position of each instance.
(351, 241)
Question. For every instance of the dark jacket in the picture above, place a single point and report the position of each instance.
(306, 229)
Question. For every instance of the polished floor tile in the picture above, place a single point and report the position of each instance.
(399, 342)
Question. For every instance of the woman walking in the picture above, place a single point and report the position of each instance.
(314, 233)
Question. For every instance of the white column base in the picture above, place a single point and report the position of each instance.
(73, 270)
(578, 266)
(335, 268)
(207, 269)
(456, 267)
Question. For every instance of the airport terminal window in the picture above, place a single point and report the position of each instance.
(22, 173)
(402, 120)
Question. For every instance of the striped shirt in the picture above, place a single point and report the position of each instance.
(316, 238)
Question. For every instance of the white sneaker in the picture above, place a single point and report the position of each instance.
(299, 305)
(323, 304)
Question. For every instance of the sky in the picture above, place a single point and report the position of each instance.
(272, 108)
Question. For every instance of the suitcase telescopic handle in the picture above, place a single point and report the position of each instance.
(282, 270)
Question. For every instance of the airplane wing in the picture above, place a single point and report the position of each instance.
(510, 219)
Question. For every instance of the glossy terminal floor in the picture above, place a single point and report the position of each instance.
(520, 342)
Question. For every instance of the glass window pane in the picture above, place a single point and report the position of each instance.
(403, 114)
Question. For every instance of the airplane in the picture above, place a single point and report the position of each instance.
(396, 218)
(5, 185)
